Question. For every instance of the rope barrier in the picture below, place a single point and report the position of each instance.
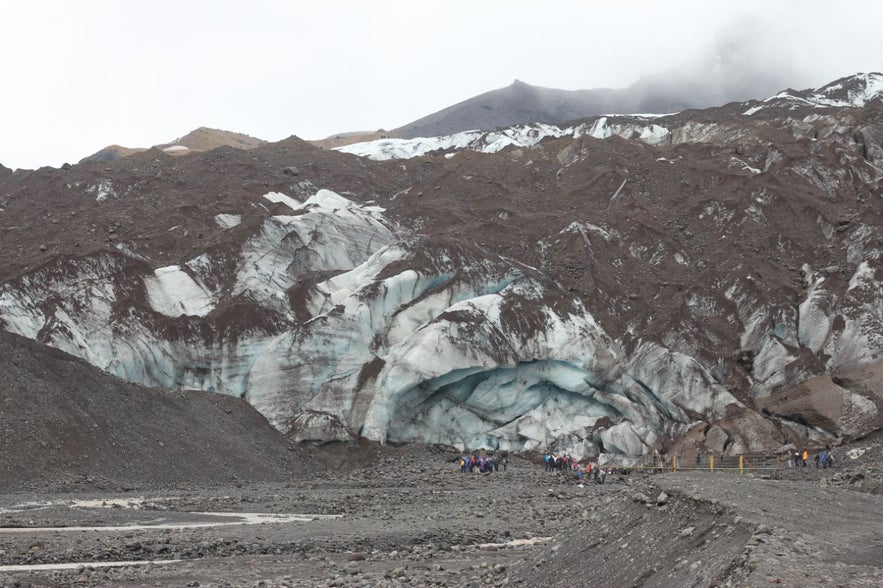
(740, 464)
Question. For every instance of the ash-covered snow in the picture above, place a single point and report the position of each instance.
(627, 128)
(332, 233)
(102, 190)
(228, 221)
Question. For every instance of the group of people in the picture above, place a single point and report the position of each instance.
(823, 459)
(566, 463)
(557, 463)
(484, 464)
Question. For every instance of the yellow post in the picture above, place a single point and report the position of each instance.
(741, 464)
(711, 462)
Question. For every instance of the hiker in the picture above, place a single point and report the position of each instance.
(805, 456)
(817, 459)
(830, 459)
(600, 475)
(547, 458)
(824, 459)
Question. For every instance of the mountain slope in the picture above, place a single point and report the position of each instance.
(518, 103)
(206, 139)
(659, 130)
(710, 84)
(111, 152)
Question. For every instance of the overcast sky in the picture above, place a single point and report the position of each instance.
(80, 75)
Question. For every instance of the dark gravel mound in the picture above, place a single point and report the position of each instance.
(66, 424)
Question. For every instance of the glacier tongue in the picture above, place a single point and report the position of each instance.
(333, 325)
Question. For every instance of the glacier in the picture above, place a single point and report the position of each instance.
(339, 320)
(361, 327)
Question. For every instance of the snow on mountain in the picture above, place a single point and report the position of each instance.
(653, 129)
(483, 141)
(631, 126)
(851, 92)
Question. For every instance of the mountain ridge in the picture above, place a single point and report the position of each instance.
(199, 139)
(518, 103)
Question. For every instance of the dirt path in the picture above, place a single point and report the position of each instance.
(702, 529)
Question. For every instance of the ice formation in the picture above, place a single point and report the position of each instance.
(448, 347)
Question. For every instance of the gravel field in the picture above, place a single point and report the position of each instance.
(407, 517)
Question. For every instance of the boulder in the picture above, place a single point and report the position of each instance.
(826, 402)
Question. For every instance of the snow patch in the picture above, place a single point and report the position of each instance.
(857, 452)
(276, 197)
(172, 292)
